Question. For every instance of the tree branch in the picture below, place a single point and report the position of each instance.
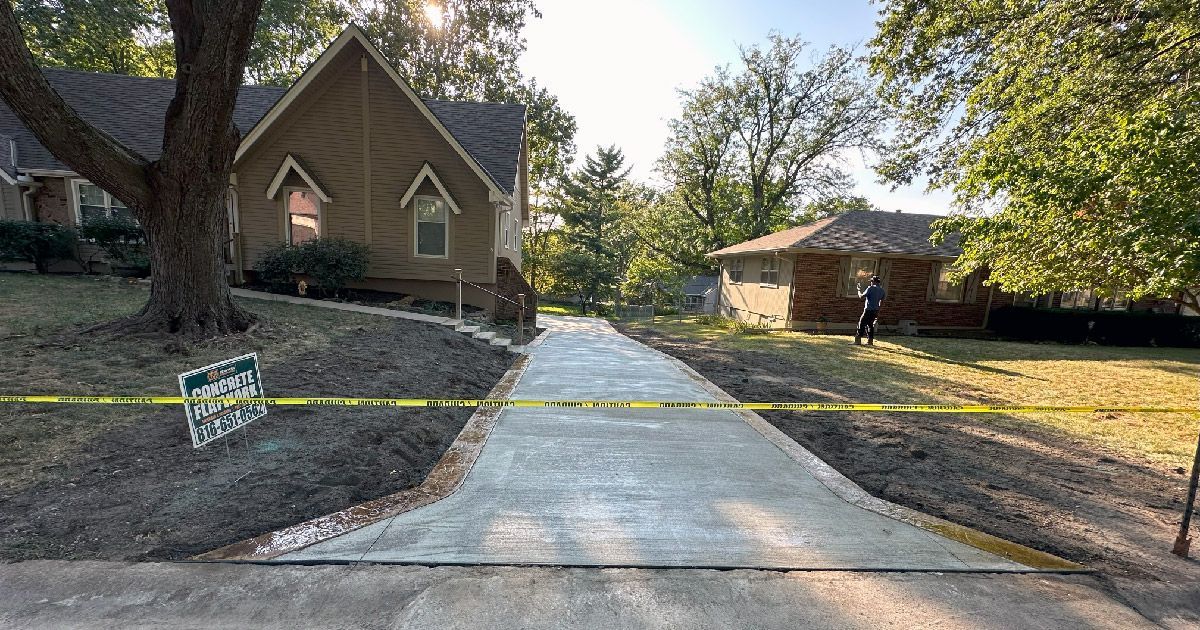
(86, 149)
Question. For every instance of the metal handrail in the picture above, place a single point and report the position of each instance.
(457, 279)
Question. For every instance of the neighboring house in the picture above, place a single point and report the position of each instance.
(700, 294)
(805, 277)
(349, 150)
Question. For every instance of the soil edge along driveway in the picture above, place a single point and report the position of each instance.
(640, 488)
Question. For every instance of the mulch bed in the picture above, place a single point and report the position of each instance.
(1072, 499)
(142, 492)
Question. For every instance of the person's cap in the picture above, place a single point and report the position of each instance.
(875, 279)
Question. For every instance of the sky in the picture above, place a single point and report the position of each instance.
(616, 65)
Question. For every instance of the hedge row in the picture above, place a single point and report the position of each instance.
(1110, 328)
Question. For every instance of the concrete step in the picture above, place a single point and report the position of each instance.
(484, 336)
(453, 323)
(517, 349)
(500, 341)
(467, 330)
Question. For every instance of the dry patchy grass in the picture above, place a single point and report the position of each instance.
(970, 371)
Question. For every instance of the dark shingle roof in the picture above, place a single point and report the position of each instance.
(131, 109)
(699, 285)
(490, 132)
(862, 231)
(6, 156)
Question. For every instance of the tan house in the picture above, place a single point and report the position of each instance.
(349, 150)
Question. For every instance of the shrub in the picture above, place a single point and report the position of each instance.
(276, 265)
(1112, 328)
(122, 240)
(736, 326)
(42, 244)
(331, 263)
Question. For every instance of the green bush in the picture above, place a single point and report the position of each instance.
(276, 265)
(122, 240)
(42, 244)
(331, 263)
(1109, 328)
(733, 325)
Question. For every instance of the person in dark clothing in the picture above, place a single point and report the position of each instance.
(872, 297)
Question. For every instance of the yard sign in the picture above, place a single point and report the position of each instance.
(232, 378)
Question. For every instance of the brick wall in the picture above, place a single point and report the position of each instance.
(815, 296)
(510, 283)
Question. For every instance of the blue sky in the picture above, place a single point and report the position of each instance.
(616, 65)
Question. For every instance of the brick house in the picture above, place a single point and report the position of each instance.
(804, 278)
(349, 151)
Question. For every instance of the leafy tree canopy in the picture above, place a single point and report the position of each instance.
(1068, 131)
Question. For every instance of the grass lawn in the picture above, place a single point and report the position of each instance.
(912, 370)
(123, 482)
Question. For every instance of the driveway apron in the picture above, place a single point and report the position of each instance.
(640, 487)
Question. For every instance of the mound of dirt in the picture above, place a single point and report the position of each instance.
(143, 492)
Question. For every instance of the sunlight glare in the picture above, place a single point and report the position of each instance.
(433, 13)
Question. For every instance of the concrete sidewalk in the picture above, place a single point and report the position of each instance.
(67, 595)
(640, 488)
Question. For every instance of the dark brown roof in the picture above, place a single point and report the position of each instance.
(862, 231)
(131, 109)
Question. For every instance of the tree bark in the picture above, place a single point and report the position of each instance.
(179, 199)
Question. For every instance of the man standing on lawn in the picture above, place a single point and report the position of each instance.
(872, 298)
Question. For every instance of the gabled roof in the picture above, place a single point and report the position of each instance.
(130, 109)
(466, 120)
(292, 165)
(861, 231)
(699, 285)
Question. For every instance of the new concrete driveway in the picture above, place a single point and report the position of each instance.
(640, 488)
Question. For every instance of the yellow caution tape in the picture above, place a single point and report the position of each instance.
(583, 404)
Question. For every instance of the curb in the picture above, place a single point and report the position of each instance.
(444, 479)
(853, 494)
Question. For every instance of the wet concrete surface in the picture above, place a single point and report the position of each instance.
(639, 488)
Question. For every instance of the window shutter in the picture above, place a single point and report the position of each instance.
(843, 283)
(884, 272)
(972, 289)
(935, 272)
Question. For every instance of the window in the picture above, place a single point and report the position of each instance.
(433, 239)
(735, 270)
(945, 290)
(1080, 299)
(507, 216)
(303, 209)
(1118, 302)
(768, 274)
(861, 270)
(517, 233)
(91, 201)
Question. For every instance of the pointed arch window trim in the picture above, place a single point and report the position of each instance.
(427, 172)
(290, 164)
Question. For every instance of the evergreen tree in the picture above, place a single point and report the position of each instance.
(591, 213)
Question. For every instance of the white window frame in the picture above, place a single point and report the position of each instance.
(768, 269)
(517, 232)
(962, 288)
(505, 220)
(736, 265)
(416, 224)
(76, 199)
(287, 215)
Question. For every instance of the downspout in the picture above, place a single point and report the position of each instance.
(27, 195)
(791, 293)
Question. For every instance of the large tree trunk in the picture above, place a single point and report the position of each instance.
(179, 199)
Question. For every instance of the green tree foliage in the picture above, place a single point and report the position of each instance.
(118, 36)
(291, 35)
(596, 246)
(42, 244)
(752, 147)
(134, 37)
(1068, 131)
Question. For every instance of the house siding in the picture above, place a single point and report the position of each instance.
(10, 202)
(751, 301)
(815, 297)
